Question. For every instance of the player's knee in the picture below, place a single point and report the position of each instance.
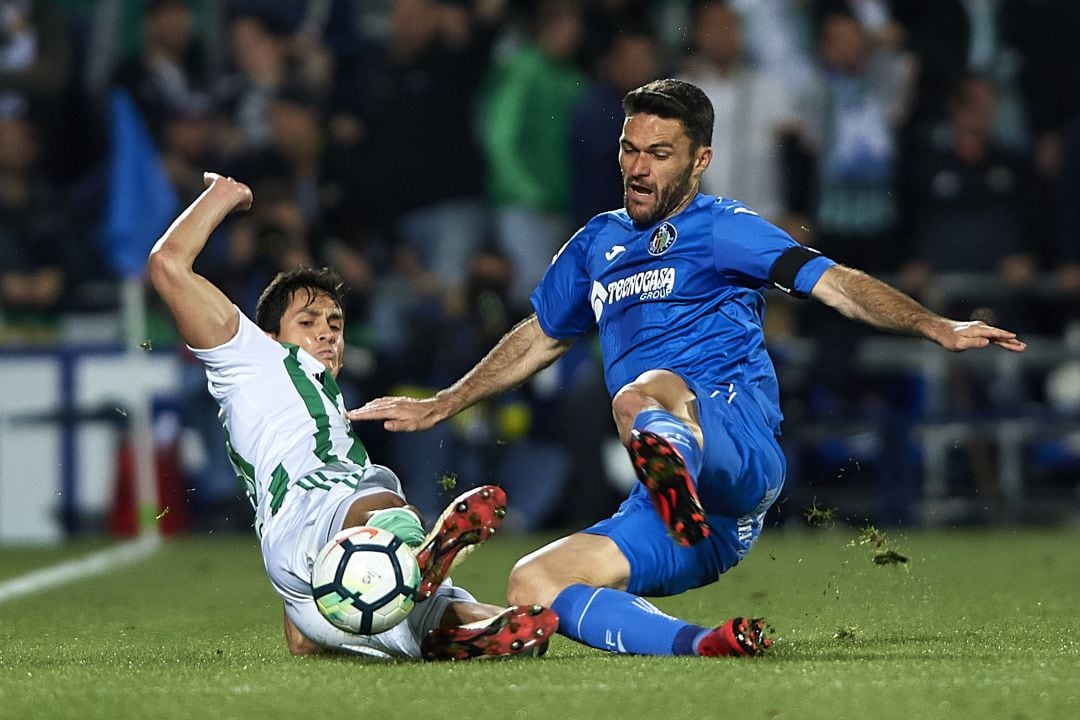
(627, 403)
(531, 583)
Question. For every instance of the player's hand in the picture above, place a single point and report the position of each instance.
(238, 194)
(959, 336)
(402, 414)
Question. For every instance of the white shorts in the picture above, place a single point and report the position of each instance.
(306, 521)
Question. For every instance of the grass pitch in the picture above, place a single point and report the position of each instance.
(978, 625)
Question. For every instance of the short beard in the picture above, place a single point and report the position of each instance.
(669, 199)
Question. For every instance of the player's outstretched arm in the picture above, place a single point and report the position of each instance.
(204, 316)
(858, 296)
(519, 355)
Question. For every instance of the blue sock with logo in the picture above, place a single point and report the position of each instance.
(619, 622)
(675, 432)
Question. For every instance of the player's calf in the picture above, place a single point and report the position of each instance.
(468, 521)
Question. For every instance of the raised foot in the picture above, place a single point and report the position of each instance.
(661, 469)
(468, 521)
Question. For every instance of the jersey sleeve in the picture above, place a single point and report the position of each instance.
(750, 248)
(240, 358)
(561, 300)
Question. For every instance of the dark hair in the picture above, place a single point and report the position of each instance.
(279, 293)
(675, 100)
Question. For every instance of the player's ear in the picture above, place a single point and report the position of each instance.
(702, 158)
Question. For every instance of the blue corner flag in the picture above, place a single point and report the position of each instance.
(141, 201)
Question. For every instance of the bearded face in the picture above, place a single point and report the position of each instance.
(661, 171)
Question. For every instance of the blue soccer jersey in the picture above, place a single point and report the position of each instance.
(684, 295)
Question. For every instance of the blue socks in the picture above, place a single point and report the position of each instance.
(619, 622)
(675, 432)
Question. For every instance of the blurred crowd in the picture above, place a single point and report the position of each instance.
(438, 152)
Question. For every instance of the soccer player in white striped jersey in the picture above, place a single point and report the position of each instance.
(307, 473)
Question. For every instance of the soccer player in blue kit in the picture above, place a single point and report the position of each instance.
(675, 283)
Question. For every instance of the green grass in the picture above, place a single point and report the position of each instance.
(982, 625)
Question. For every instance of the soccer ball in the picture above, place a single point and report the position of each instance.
(365, 580)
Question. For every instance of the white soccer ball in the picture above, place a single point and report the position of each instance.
(365, 580)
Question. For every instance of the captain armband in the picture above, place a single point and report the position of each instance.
(787, 267)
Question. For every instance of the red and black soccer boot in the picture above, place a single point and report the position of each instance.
(518, 631)
(661, 469)
(468, 521)
(737, 637)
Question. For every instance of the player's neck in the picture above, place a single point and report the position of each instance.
(685, 203)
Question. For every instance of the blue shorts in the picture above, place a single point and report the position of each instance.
(741, 475)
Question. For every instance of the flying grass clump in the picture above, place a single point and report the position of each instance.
(819, 517)
(883, 554)
(448, 481)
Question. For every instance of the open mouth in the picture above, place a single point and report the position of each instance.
(639, 191)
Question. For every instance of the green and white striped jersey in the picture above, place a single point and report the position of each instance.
(283, 415)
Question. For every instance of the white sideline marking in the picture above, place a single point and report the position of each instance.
(93, 564)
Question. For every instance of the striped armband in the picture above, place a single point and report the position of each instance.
(787, 266)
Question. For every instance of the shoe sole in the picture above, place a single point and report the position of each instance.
(468, 521)
(519, 631)
(662, 471)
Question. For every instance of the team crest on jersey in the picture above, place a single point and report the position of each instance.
(662, 238)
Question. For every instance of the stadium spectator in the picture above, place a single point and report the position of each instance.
(190, 142)
(421, 83)
(969, 211)
(170, 67)
(628, 60)
(35, 52)
(752, 111)
(605, 20)
(952, 38)
(1068, 234)
(849, 115)
(41, 251)
(967, 206)
(675, 282)
(310, 187)
(266, 57)
(526, 136)
(308, 474)
(333, 23)
(850, 112)
(779, 39)
(1044, 35)
(39, 64)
